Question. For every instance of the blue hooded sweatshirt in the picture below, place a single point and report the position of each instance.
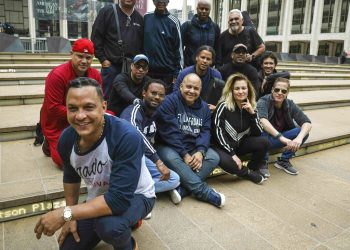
(183, 128)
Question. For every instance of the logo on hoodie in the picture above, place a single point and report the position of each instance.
(189, 123)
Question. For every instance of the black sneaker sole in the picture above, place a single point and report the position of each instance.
(276, 165)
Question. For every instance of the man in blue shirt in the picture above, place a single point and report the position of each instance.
(183, 137)
(141, 116)
(107, 153)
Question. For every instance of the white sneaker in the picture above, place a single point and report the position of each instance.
(148, 216)
(175, 196)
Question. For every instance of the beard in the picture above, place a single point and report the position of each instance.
(234, 29)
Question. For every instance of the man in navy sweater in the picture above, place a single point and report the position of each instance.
(162, 44)
(141, 116)
(183, 136)
(107, 153)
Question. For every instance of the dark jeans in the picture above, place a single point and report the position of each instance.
(115, 229)
(108, 75)
(275, 143)
(256, 145)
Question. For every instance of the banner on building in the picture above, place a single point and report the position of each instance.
(46, 9)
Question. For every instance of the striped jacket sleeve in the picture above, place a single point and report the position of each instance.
(220, 134)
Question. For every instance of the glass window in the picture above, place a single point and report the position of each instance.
(327, 16)
(253, 10)
(298, 16)
(273, 20)
(344, 15)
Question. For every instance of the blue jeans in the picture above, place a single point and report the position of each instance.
(162, 186)
(275, 143)
(114, 229)
(108, 75)
(192, 181)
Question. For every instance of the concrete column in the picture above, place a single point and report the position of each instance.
(91, 16)
(264, 9)
(244, 5)
(336, 16)
(212, 11)
(316, 26)
(347, 32)
(307, 17)
(31, 19)
(225, 11)
(63, 19)
(184, 11)
(287, 24)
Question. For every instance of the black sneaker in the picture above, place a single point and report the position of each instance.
(254, 176)
(285, 165)
(46, 149)
(264, 170)
(215, 198)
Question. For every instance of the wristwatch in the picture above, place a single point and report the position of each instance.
(67, 214)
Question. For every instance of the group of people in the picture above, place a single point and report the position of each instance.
(160, 127)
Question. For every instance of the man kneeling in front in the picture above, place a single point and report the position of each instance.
(108, 154)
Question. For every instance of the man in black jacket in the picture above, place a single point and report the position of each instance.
(285, 124)
(127, 87)
(239, 65)
(105, 38)
(199, 31)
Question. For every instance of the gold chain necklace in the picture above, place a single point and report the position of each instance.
(78, 139)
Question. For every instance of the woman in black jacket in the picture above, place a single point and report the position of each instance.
(236, 130)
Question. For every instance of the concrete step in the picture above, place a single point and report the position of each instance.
(21, 94)
(34, 94)
(329, 84)
(320, 75)
(23, 68)
(319, 99)
(19, 121)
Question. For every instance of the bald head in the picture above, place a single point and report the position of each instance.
(203, 10)
(191, 88)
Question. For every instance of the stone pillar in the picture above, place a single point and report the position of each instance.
(244, 5)
(63, 19)
(225, 11)
(316, 26)
(31, 19)
(307, 17)
(212, 11)
(287, 13)
(347, 33)
(184, 11)
(336, 16)
(264, 9)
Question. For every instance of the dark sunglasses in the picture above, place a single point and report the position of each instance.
(139, 66)
(277, 90)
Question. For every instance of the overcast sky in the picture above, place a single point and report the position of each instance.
(173, 4)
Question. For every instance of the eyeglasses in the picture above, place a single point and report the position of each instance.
(240, 52)
(277, 90)
(139, 66)
(128, 21)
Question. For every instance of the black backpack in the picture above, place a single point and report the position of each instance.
(8, 28)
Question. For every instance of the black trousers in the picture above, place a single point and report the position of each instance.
(256, 145)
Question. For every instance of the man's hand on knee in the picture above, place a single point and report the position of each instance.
(68, 227)
(49, 223)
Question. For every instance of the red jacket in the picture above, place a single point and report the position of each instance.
(53, 115)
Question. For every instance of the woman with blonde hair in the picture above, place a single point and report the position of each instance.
(236, 130)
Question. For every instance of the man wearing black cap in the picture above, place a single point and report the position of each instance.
(105, 37)
(127, 87)
(53, 114)
(239, 65)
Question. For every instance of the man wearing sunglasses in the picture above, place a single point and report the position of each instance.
(238, 65)
(285, 125)
(127, 87)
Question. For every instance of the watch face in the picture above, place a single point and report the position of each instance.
(67, 214)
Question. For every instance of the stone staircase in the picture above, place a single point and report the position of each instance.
(322, 90)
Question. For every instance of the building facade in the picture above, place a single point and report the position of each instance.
(316, 27)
